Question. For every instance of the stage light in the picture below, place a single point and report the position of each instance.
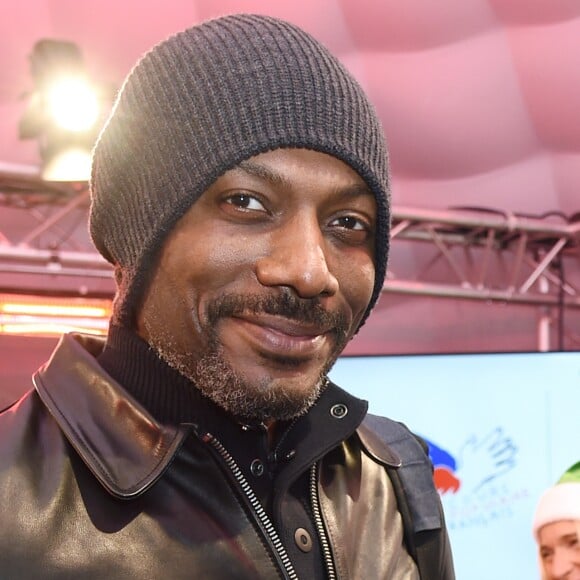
(72, 164)
(73, 104)
(65, 110)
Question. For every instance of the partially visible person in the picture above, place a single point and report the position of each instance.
(557, 528)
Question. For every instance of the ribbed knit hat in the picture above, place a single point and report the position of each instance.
(198, 104)
(560, 502)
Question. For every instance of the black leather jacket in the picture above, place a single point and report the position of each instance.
(91, 486)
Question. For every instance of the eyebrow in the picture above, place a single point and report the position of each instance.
(257, 170)
(560, 539)
(263, 172)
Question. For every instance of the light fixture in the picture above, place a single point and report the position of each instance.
(73, 104)
(53, 316)
(65, 110)
(71, 164)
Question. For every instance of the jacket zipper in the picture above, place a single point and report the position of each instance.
(254, 502)
(319, 524)
(274, 455)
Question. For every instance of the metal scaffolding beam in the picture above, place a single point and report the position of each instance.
(489, 256)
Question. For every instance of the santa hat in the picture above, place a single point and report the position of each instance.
(560, 502)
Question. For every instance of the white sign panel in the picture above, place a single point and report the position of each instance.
(501, 429)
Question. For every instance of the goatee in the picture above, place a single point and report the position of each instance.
(213, 375)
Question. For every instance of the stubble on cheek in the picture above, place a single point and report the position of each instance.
(258, 399)
(213, 375)
(210, 371)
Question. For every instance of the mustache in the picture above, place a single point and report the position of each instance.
(286, 304)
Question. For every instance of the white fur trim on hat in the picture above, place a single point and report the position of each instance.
(561, 502)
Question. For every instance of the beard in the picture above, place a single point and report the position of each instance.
(261, 400)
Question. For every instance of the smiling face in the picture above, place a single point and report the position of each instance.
(560, 550)
(264, 280)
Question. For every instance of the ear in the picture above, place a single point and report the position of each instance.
(118, 273)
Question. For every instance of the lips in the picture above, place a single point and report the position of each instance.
(282, 337)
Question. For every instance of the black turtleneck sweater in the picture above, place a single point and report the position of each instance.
(279, 475)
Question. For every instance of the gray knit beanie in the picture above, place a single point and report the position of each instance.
(198, 104)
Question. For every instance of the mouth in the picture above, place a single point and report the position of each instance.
(284, 339)
(284, 331)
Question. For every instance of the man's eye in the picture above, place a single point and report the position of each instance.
(245, 201)
(349, 222)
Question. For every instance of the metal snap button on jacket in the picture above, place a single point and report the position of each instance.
(303, 539)
(339, 411)
(257, 468)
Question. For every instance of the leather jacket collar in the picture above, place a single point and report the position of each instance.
(123, 446)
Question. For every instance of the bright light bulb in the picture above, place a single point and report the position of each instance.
(73, 104)
(69, 165)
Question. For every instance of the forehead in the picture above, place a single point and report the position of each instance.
(553, 532)
(304, 169)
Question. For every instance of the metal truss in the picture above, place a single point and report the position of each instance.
(488, 255)
(43, 228)
(459, 253)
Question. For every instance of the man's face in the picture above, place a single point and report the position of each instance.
(560, 550)
(264, 280)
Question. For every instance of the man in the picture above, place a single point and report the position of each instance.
(556, 528)
(240, 188)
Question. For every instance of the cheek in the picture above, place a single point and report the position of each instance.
(219, 257)
(357, 283)
(212, 270)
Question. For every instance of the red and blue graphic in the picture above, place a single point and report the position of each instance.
(479, 461)
(445, 469)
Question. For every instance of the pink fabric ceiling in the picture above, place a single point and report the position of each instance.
(479, 99)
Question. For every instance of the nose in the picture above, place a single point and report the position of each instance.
(296, 258)
(561, 564)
